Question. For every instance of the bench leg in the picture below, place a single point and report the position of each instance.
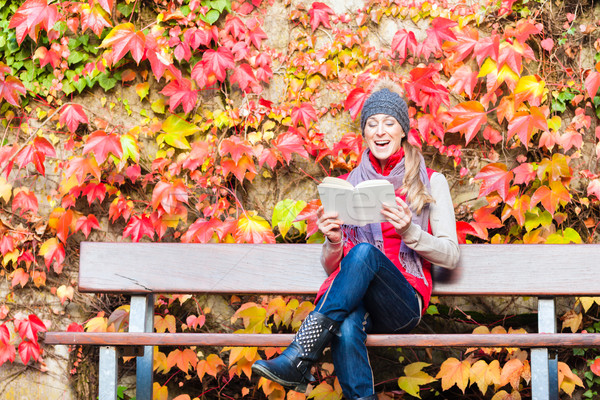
(141, 319)
(108, 373)
(544, 370)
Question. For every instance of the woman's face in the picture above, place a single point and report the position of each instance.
(384, 136)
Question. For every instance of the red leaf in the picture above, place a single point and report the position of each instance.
(239, 169)
(80, 167)
(106, 4)
(201, 231)
(63, 226)
(492, 135)
(484, 220)
(440, 31)
(319, 14)
(495, 178)
(94, 18)
(525, 124)
(85, 224)
(26, 201)
(100, 143)
(198, 37)
(268, 156)
(354, 102)
(487, 47)
(180, 91)
(31, 17)
(19, 277)
(74, 327)
(235, 27)
(524, 174)
(28, 328)
(138, 227)
(592, 83)
(52, 249)
(255, 34)
(463, 80)
(244, 77)
(309, 214)
(124, 38)
(10, 89)
(236, 147)
(594, 188)
(120, 207)
(72, 115)
(218, 62)
(94, 191)
(404, 41)
(463, 229)
(289, 143)
(47, 57)
(468, 117)
(28, 350)
(595, 367)
(169, 195)
(547, 44)
(464, 45)
(305, 113)
(7, 350)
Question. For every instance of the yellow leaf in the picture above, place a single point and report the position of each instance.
(484, 375)
(453, 371)
(572, 320)
(96, 324)
(567, 379)
(13, 256)
(504, 395)
(160, 361)
(587, 302)
(5, 189)
(530, 86)
(324, 391)
(414, 378)
(159, 392)
(554, 123)
(488, 67)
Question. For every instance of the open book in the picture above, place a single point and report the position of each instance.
(358, 205)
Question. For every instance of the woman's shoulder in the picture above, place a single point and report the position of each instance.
(438, 182)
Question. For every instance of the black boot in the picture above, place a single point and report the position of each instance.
(371, 397)
(292, 368)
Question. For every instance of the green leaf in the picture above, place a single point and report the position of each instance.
(130, 148)
(125, 9)
(218, 5)
(67, 88)
(158, 106)
(211, 17)
(533, 219)
(76, 57)
(106, 81)
(284, 214)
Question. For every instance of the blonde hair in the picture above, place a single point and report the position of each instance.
(412, 186)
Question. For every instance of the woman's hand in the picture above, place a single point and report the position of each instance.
(399, 215)
(329, 225)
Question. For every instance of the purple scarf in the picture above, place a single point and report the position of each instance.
(371, 233)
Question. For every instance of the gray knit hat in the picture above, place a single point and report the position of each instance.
(387, 102)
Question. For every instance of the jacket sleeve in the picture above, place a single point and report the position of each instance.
(441, 247)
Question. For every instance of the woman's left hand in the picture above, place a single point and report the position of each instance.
(398, 215)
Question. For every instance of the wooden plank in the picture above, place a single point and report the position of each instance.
(514, 269)
(529, 340)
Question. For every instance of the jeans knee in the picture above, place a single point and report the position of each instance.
(361, 252)
(353, 329)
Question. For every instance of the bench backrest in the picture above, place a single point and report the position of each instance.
(487, 269)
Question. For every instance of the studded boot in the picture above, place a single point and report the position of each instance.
(371, 397)
(292, 367)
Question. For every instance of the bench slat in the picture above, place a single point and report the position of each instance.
(530, 340)
(527, 270)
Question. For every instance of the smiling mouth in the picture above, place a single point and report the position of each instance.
(382, 143)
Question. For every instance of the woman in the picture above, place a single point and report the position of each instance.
(380, 274)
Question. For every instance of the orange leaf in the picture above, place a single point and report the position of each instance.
(325, 391)
(504, 395)
(551, 196)
(572, 320)
(159, 392)
(484, 375)
(495, 179)
(525, 123)
(183, 359)
(124, 38)
(19, 277)
(468, 117)
(244, 168)
(211, 366)
(453, 371)
(567, 380)
(162, 324)
(595, 367)
(511, 373)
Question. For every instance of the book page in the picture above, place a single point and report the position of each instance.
(357, 206)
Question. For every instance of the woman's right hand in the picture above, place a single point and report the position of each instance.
(329, 225)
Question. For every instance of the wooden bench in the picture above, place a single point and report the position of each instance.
(145, 269)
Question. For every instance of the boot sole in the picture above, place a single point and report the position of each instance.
(264, 372)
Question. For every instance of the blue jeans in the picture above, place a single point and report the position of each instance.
(369, 294)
